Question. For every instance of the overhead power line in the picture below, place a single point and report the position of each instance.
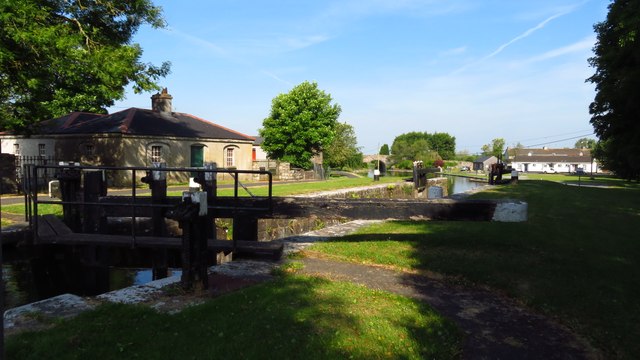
(557, 141)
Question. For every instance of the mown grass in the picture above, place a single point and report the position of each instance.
(278, 190)
(294, 317)
(576, 258)
(304, 187)
(18, 209)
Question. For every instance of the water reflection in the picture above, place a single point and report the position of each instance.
(460, 184)
(34, 280)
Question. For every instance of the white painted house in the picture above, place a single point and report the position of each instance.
(547, 160)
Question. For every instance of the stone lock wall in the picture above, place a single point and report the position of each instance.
(271, 229)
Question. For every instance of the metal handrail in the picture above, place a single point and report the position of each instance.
(32, 201)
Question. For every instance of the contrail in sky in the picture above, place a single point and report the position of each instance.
(516, 39)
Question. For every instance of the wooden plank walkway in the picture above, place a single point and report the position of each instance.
(51, 230)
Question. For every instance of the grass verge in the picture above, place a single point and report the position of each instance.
(294, 317)
(18, 209)
(278, 190)
(575, 259)
(308, 187)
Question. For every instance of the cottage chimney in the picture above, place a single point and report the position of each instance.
(161, 102)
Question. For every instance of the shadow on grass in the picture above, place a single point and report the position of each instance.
(576, 258)
(293, 317)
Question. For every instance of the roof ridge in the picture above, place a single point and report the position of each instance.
(126, 124)
(73, 116)
(216, 125)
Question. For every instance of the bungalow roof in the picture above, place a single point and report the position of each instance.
(135, 121)
(552, 155)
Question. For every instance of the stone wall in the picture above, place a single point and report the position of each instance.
(271, 229)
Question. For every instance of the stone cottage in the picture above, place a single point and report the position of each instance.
(136, 137)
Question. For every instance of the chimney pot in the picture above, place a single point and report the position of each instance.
(161, 102)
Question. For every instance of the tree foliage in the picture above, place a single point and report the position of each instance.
(384, 149)
(423, 146)
(495, 148)
(615, 111)
(585, 143)
(301, 124)
(59, 56)
(343, 150)
(444, 144)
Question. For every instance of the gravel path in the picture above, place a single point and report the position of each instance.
(495, 327)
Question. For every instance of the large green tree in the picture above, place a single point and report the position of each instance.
(615, 111)
(301, 124)
(444, 144)
(58, 56)
(343, 150)
(423, 146)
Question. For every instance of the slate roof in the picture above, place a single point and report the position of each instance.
(135, 121)
(552, 155)
(482, 159)
(258, 140)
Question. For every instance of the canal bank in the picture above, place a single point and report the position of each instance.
(158, 294)
(51, 272)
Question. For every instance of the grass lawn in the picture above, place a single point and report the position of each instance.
(278, 190)
(577, 258)
(298, 188)
(294, 317)
(18, 209)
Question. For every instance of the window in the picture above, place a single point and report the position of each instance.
(156, 153)
(89, 150)
(41, 150)
(16, 149)
(229, 161)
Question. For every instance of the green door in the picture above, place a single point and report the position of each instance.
(197, 156)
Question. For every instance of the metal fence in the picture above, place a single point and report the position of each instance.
(43, 176)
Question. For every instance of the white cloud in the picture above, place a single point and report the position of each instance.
(583, 45)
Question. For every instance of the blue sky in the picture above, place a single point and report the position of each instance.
(476, 69)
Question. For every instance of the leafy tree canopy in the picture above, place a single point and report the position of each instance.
(496, 148)
(343, 151)
(384, 149)
(59, 56)
(423, 146)
(585, 143)
(301, 124)
(444, 144)
(615, 111)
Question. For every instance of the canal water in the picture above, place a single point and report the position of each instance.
(460, 184)
(47, 276)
